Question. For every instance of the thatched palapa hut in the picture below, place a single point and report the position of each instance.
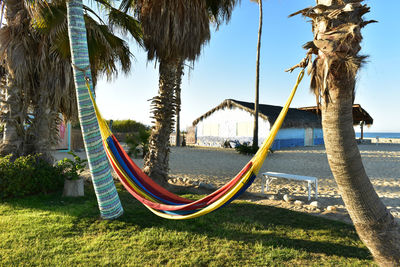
(233, 120)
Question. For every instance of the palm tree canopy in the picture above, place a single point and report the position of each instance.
(220, 11)
(173, 28)
(39, 55)
(177, 28)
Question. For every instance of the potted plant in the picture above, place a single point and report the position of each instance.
(72, 169)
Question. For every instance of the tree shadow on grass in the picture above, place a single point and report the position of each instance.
(251, 223)
(240, 221)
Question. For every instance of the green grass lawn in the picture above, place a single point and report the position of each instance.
(54, 231)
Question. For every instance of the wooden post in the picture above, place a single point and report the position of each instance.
(362, 130)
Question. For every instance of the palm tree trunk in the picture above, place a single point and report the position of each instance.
(12, 7)
(374, 223)
(334, 79)
(13, 118)
(106, 193)
(179, 74)
(256, 101)
(42, 130)
(156, 160)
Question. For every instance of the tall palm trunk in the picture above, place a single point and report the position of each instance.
(256, 101)
(156, 160)
(13, 117)
(107, 196)
(337, 35)
(15, 110)
(43, 127)
(179, 74)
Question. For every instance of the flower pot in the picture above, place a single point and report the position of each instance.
(74, 188)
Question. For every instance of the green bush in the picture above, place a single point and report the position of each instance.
(121, 126)
(28, 175)
(246, 149)
(137, 141)
(127, 126)
(72, 168)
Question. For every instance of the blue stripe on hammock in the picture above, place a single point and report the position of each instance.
(121, 162)
(241, 191)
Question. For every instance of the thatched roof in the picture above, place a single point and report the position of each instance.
(295, 118)
(359, 114)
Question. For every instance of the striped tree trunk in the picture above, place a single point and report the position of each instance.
(107, 196)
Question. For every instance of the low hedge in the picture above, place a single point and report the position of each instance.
(29, 175)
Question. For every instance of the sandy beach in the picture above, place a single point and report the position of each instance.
(217, 166)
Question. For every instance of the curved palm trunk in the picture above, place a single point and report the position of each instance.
(107, 196)
(374, 223)
(256, 101)
(337, 35)
(179, 74)
(156, 160)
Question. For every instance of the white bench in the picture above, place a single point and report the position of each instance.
(267, 178)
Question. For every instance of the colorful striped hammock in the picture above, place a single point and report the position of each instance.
(168, 205)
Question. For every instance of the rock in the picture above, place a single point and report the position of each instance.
(287, 198)
(74, 188)
(283, 191)
(273, 197)
(299, 203)
(207, 186)
(331, 208)
(315, 204)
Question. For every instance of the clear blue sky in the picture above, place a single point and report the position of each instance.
(226, 67)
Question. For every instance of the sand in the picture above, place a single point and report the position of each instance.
(217, 166)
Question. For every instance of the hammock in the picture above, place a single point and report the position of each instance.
(168, 205)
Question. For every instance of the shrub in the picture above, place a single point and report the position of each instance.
(28, 175)
(120, 126)
(138, 140)
(72, 168)
(127, 126)
(246, 149)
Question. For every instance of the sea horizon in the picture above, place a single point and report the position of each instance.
(379, 135)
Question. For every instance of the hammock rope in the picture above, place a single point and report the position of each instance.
(168, 205)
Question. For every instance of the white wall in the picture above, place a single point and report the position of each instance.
(229, 124)
(227, 120)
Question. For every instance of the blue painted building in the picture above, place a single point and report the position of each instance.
(234, 120)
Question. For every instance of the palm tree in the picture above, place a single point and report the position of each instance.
(105, 49)
(337, 35)
(54, 94)
(257, 97)
(14, 48)
(173, 31)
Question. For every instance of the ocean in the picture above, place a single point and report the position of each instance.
(379, 135)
